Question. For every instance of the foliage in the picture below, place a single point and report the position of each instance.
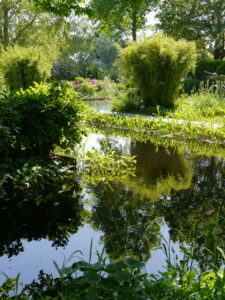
(157, 66)
(87, 54)
(48, 115)
(125, 279)
(105, 167)
(135, 221)
(190, 85)
(174, 128)
(79, 80)
(124, 16)
(21, 67)
(212, 66)
(201, 21)
(92, 89)
(201, 106)
(179, 145)
(204, 73)
(36, 191)
(8, 124)
(22, 24)
(124, 104)
(64, 69)
(61, 7)
(106, 51)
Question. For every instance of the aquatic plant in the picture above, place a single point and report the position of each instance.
(176, 128)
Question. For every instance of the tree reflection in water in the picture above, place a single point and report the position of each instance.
(169, 186)
(53, 210)
(129, 216)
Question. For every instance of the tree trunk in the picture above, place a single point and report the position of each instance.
(5, 25)
(134, 26)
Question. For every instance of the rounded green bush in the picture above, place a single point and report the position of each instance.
(157, 66)
(20, 67)
(48, 115)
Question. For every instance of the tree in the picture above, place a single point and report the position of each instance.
(88, 54)
(115, 16)
(106, 51)
(199, 20)
(21, 23)
(124, 16)
(61, 7)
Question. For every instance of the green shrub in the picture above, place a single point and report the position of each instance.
(191, 84)
(94, 71)
(125, 104)
(79, 80)
(87, 89)
(204, 105)
(47, 116)
(212, 66)
(9, 120)
(157, 66)
(20, 67)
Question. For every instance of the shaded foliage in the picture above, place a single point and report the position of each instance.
(43, 116)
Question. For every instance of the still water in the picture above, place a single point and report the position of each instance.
(170, 192)
(102, 105)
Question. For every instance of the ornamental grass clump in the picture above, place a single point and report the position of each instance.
(20, 66)
(157, 66)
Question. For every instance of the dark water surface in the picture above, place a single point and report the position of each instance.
(171, 190)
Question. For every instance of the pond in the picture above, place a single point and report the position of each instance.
(105, 105)
(171, 191)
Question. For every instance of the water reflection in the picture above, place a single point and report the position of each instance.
(131, 226)
(159, 170)
(169, 187)
(199, 204)
(53, 211)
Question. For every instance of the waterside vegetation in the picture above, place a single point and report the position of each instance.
(127, 278)
(185, 129)
(169, 168)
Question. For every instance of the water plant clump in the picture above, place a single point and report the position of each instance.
(184, 129)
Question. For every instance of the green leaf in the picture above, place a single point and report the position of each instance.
(133, 263)
(91, 277)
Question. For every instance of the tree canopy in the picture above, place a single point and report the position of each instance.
(199, 20)
(61, 7)
(21, 23)
(114, 16)
(117, 17)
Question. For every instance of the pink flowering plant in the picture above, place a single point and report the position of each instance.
(87, 87)
(92, 89)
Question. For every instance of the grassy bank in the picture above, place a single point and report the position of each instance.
(204, 106)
